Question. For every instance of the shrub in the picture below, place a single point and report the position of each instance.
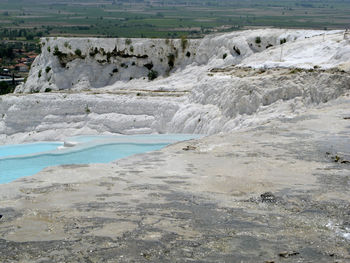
(48, 90)
(171, 60)
(56, 51)
(131, 49)
(152, 74)
(39, 74)
(109, 55)
(66, 44)
(188, 54)
(115, 70)
(283, 40)
(128, 41)
(47, 70)
(6, 88)
(87, 110)
(224, 56)
(78, 52)
(295, 70)
(102, 51)
(93, 52)
(48, 49)
(59, 54)
(184, 42)
(257, 40)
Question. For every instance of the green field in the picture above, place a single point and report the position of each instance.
(166, 19)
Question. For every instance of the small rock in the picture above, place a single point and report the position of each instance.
(336, 158)
(189, 148)
(286, 254)
(283, 254)
(268, 197)
(339, 159)
(294, 253)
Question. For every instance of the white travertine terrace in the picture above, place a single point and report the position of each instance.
(219, 83)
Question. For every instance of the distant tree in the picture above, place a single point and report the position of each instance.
(6, 88)
(30, 37)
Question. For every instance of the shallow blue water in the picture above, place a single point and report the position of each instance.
(17, 161)
(21, 149)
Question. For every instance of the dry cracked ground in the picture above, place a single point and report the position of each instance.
(275, 193)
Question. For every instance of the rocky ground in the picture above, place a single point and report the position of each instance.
(278, 192)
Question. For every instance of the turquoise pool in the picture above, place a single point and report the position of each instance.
(21, 160)
(28, 148)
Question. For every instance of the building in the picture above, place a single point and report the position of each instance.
(21, 67)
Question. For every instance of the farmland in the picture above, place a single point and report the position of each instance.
(23, 22)
(165, 19)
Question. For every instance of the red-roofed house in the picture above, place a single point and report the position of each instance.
(22, 67)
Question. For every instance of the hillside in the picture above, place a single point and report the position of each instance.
(269, 181)
(220, 83)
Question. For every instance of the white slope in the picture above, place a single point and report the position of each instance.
(323, 49)
(218, 83)
(106, 62)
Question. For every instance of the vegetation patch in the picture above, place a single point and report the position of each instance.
(64, 58)
(78, 53)
(66, 45)
(93, 52)
(152, 74)
(171, 60)
(184, 42)
(121, 54)
(258, 40)
(6, 88)
(128, 41)
(87, 109)
(295, 70)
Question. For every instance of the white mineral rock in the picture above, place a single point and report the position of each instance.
(219, 83)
